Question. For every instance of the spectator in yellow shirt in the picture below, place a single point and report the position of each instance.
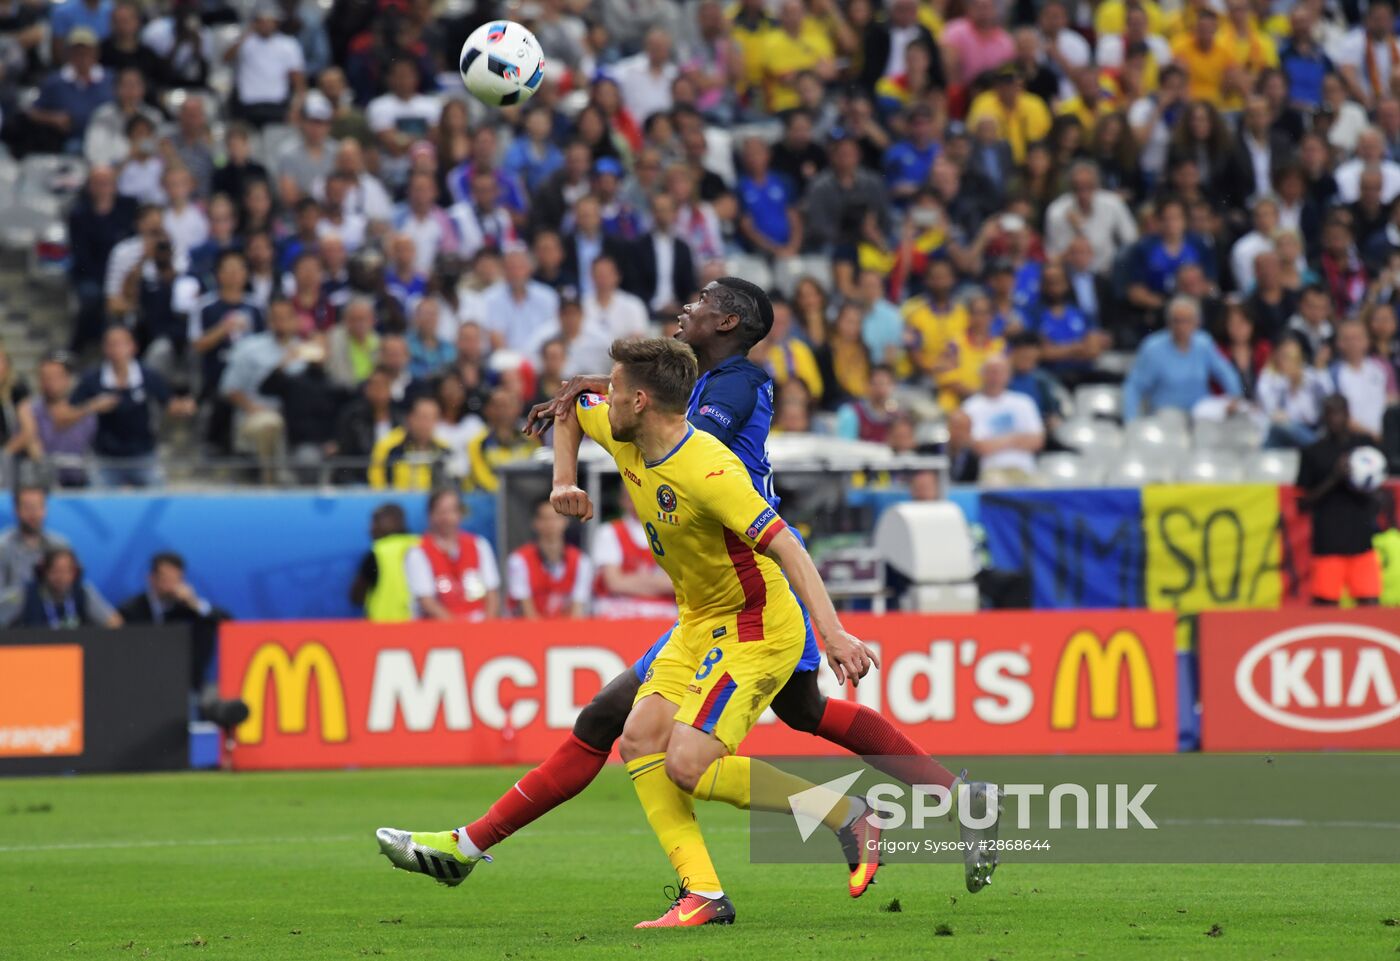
(501, 442)
(1090, 101)
(1212, 69)
(1254, 49)
(932, 320)
(796, 45)
(1021, 118)
(786, 356)
(410, 458)
(960, 371)
(749, 29)
(1112, 15)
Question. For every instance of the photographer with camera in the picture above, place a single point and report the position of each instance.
(163, 295)
(121, 391)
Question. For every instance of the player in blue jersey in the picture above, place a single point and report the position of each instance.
(732, 400)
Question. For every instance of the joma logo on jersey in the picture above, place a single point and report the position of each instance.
(666, 498)
(627, 473)
(760, 522)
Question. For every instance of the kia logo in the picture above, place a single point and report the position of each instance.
(1323, 668)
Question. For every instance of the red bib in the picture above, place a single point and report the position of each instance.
(457, 580)
(552, 595)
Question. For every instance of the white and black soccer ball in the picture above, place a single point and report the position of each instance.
(1366, 468)
(502, 63)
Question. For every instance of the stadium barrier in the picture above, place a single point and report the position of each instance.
(1294, 681)
(94, 700)
(1186, 548)
(283, 555)
(257, 554)
(338, 694)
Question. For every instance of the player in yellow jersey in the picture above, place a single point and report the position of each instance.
(741, 631)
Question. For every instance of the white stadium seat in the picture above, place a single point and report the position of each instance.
(1272, 467)
(1157, 433)
(1093, 438)
(1211, 467)
(1063, 469)
(1135, 470)
(929, 543)
(1099, 400)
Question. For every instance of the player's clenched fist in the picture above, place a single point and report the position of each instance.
(849, 657)
(571, 501)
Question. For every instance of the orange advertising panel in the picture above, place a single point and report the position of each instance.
(41, 700)
(1289, 681)
(348, 694)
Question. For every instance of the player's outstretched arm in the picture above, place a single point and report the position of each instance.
(847, 654)
(567, 497)
(561, 405)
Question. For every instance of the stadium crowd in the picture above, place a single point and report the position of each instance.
(299, 231)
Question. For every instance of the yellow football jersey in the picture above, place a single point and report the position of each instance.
(706, 525)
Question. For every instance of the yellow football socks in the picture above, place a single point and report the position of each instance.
(671, 813)
(730, 779)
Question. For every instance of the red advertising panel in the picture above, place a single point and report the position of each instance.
(352, 694)
(1295, 680)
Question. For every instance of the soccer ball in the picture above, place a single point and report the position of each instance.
(502, 63)
(1366, 468)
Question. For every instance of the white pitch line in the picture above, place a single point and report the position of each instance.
(167, 843)
(303, 839)
(716, 829)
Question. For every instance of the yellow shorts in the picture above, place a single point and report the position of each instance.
(722, 685)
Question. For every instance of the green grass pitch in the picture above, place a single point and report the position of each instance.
(284, 866)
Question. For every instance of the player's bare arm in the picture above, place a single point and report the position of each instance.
(847, 654)
(561, 405)
(567, 497)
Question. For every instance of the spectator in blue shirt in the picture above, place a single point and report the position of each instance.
(1071, 342)
(908, 162)
(1157, 259)
(768, 218)
(93, 15)
(1030, 378)
(402, 279)
(882, 326)
(1177, 366)
(69, 97)
(428, 355)
(534, 157)
(1303, 62)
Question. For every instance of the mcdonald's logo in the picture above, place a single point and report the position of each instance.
(291, 680)
(1104, 663)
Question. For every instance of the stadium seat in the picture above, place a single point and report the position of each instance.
(1134, 470)
(754, 269)
(1238, 433)
(1211, 467)
(788, 271)
(1099, 400)
(1157, 433)
(1093, 438)
(1172, 417)
(1063, 469)
(1272, 467)
(929, 543)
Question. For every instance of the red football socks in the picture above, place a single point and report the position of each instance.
(566, 772)
(862, 731)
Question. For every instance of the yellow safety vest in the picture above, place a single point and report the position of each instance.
(389, 600)
(1387, 545)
